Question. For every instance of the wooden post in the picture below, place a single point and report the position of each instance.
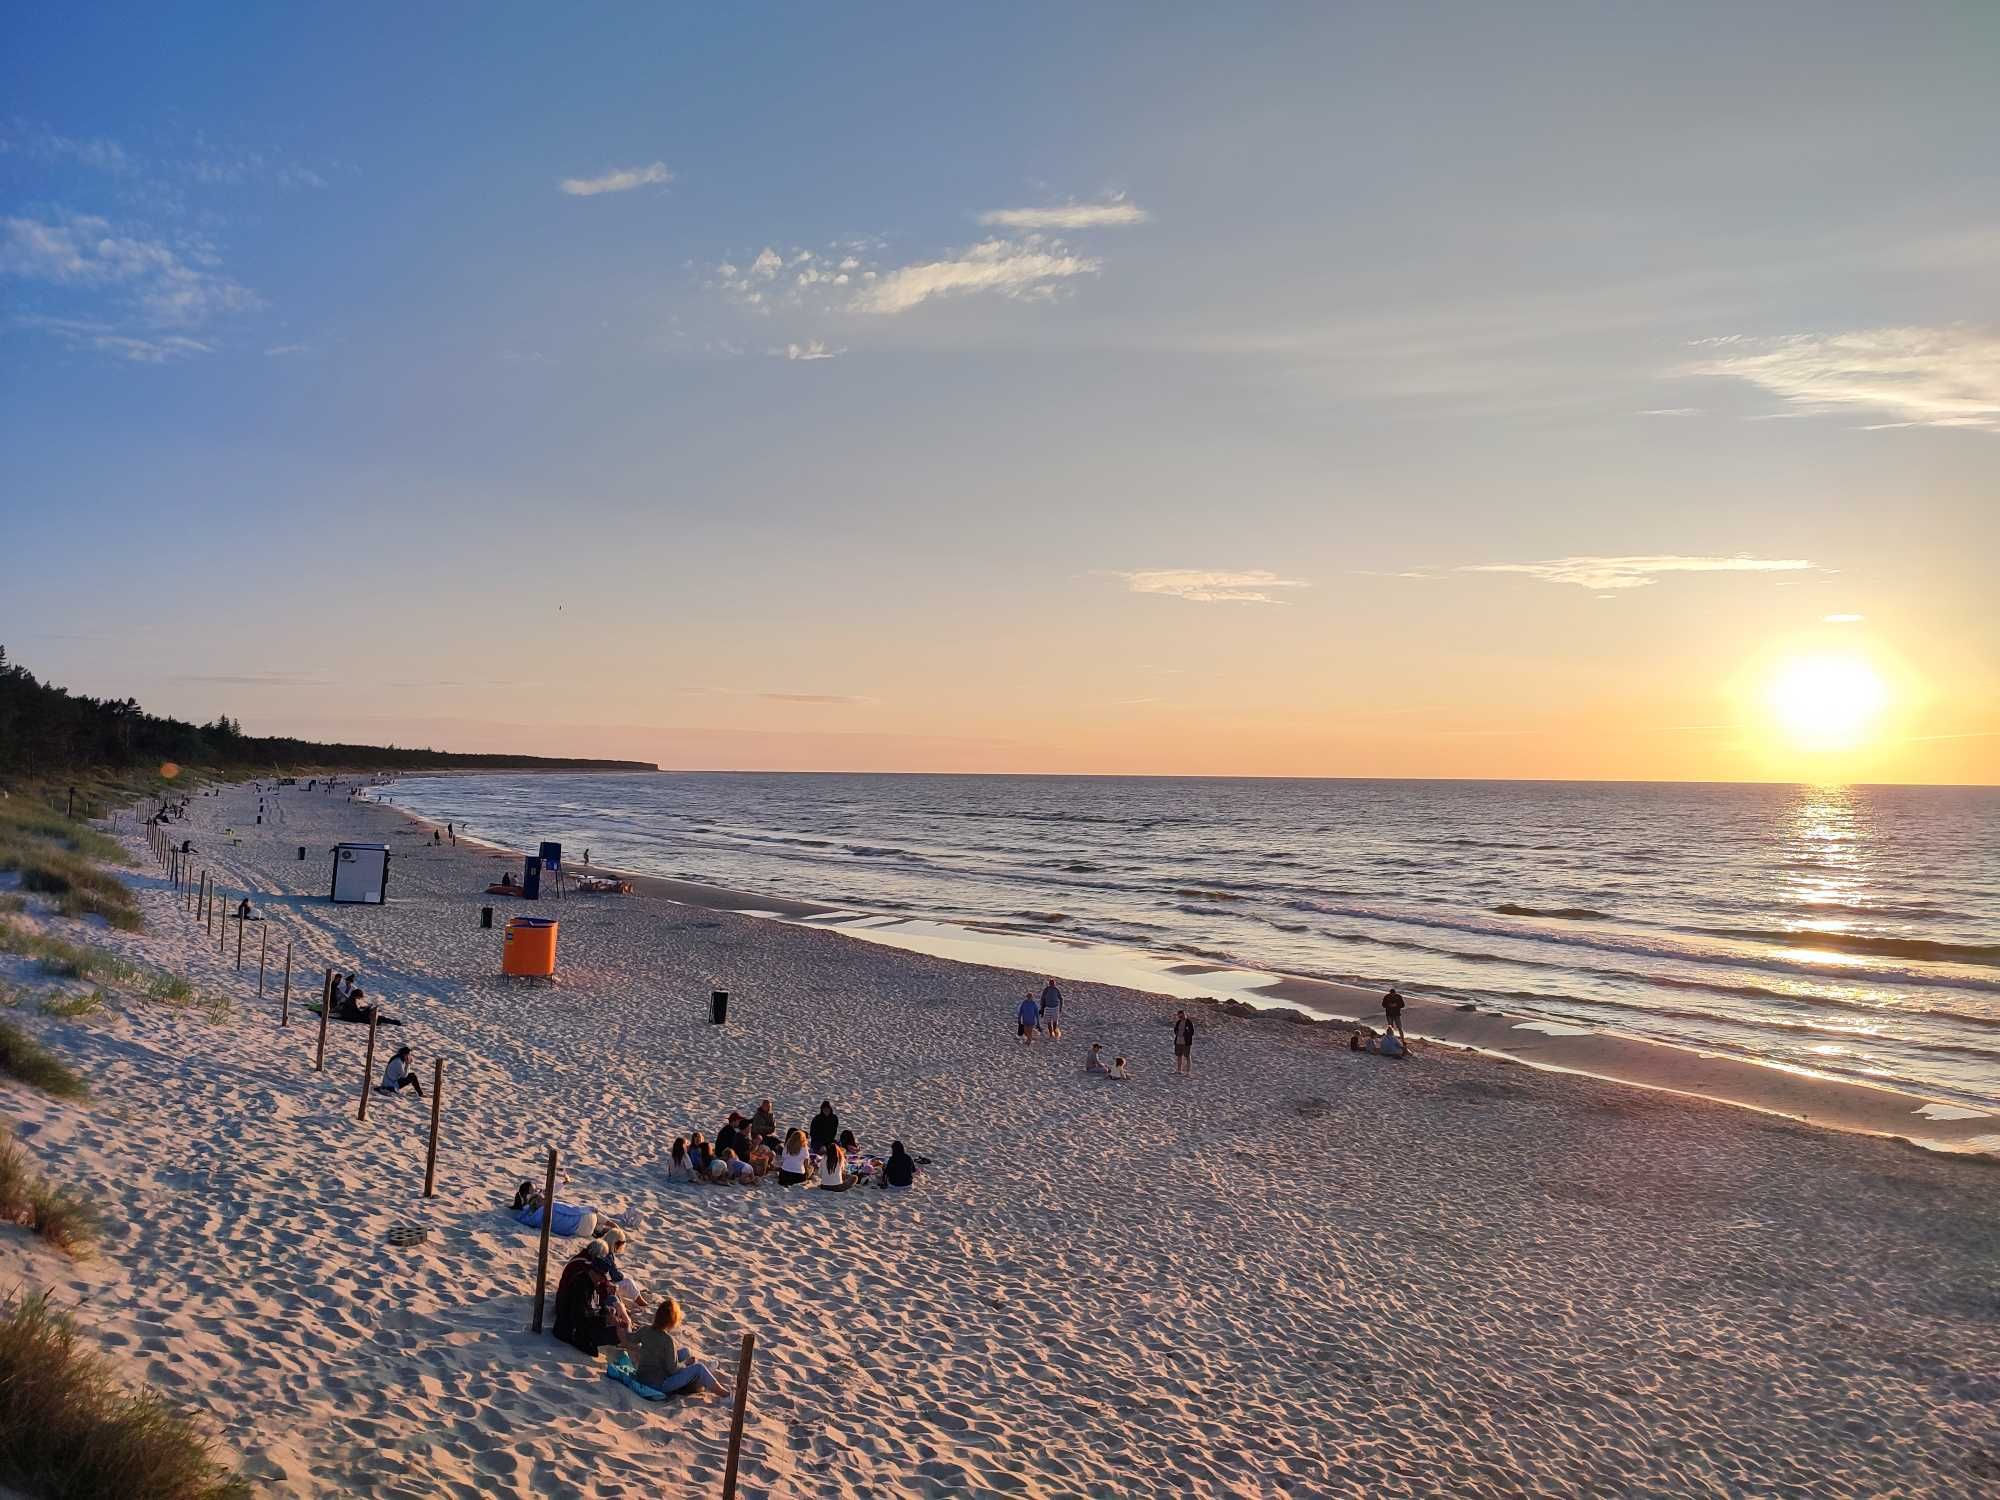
(239, 942)
(325, 1005)
(263, 947)
(736, 1419)
(285, 1005)
(542, 1261)
(437, 1103)
(368, 1067)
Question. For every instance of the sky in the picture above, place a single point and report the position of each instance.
(1431, 390)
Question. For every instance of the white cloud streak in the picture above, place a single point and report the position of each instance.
(616, 180)
(1210, 585)
(811, 350)
(1916, 377)
(1601, 574)
(1109, 214)
(1011, 268)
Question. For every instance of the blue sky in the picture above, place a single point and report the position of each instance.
(1050, 388)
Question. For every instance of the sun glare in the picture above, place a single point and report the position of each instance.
(1827, 702)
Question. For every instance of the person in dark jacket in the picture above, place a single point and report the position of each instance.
(587, 1312)
(825, 1128)
(902, 1168)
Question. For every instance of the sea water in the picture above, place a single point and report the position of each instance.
(1851, 931)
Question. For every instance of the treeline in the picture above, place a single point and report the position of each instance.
(47, 732)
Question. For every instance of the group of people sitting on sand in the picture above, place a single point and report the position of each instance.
(351, 1003)
(598, 1305)
(1094, 1064)
(750, 1150)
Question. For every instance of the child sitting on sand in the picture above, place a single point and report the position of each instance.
(658, 1362)
(679, 1168)
(795, 1164)
(1118, 1073)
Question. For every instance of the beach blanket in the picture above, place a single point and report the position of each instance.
(620, 1369)
(564, 1221)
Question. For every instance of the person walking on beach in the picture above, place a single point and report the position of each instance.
(1027, 1017)
(1392, 1011)
(1183, 1043)
(1052, 1008)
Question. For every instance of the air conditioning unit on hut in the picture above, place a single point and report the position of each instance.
(361, 873)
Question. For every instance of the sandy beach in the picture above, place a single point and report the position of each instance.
(1299, 1272)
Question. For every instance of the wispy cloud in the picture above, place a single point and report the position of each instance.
(281, 349)
(813, 698)
(1842, 619)
(46, 145)
(1671, 411)
(847, 278)
(1210, 585)
(616, 180)
(104, 338)
(1917, 377)
(1109, 213)
(256, 679)
(1030, 268)
(171, 285)
(810, 350)
(1611, 573)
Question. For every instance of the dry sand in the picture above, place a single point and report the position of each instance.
(1300, 1272)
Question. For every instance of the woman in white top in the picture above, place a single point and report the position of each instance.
(794, 1165)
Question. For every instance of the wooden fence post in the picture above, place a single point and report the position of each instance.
(325, 1005)
(736, 1419)
(437, 1104)
(239, 942)
(263, 947)
(542, 1261)
(285, 1005)
(368, 1067)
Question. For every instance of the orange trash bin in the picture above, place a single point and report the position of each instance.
(531, 946)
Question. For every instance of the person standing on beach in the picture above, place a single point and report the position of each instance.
(1027, 1018)
(1052, 1008)
(1183, 1043)
(1392, 1011)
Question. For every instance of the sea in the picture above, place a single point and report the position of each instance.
(1848, 931)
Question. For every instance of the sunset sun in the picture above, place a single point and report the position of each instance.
(1826, 702)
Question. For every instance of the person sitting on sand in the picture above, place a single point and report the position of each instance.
(1392, 1045)
(1094, 1063)
(400, 1074)
(901, 1171)
(507, 880)
(1027, 1016)
(357, 1007)
(795, 1161)
(825, 1128)
(1118, 1073)
(679, 1168)
(731, 1137)
(764, 1123)
(568, 1220)
(698, 1154)
(720, 1166)
(833, 1177)
(763, 1160)
(658, 1362)
(740, 1170)
(588, 1313)
(848, 1144)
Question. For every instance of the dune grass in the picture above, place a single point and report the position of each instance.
(22, 1057)
(60, 1215)
(69, 960)
(70, 1007)
(13, 901)
(58, 857)
(70, 1430)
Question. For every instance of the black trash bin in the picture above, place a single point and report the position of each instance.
(485, 916)
(718, 1007)
(302, 851)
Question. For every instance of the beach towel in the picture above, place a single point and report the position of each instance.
(567, 1220)
(620, 1369)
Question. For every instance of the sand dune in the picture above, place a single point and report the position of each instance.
(1301, 1272)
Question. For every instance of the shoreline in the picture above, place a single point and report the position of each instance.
(1548, 1046)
